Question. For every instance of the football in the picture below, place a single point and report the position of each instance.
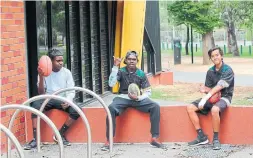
(215, 98)
(134, 89)
(45, 64)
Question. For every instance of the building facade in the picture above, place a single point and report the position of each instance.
(89, 33)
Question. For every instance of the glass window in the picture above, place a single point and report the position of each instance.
(41, 20)
(59, 27)
(145, 60)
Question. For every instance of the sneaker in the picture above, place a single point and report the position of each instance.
(32, 144)
(216, 144)
(154, 142)
(199, 141)
(106, 146)
(64, 140)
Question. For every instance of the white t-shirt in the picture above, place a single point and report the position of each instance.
(59, 80)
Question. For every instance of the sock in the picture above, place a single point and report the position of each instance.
(35, 133)
(200, 132)
(63, 129)
(155, 136)
(215, 135)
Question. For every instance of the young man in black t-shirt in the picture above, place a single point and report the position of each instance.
(220, 77)
(125, 76)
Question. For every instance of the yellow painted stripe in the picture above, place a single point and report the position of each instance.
(118, 35)
(129, 29)
(133, 28)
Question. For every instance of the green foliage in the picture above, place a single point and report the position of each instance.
(41, 13)
(58, 16)
(58, 20)
(239, 12)
(200, 15)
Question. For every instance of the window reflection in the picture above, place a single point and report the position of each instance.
(41, 20)
(145, 60)
(59, 27)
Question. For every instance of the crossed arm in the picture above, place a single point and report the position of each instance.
(224, 82)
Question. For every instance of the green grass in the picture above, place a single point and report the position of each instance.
(158, 94)
(242, 102)
(161, 95)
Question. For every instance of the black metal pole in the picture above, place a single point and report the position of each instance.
(49, 24)
(191, 44)
(67, 35)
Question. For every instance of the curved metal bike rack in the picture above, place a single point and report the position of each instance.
(79, 111)
(90, 93)
(13, 139)
(40, 114)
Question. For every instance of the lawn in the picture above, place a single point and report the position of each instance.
(188, 92)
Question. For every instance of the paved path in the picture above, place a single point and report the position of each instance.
(199, 77)
(173, 150)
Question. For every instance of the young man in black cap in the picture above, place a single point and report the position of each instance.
(59, 78)
(125, 76)
(220, 77)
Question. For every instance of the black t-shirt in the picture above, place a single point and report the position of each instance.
(125, 78)
(224, 74)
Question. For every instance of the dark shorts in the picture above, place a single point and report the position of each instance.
(222, 104)
(55, 104)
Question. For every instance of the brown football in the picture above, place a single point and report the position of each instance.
(45, 64)
(215, 98)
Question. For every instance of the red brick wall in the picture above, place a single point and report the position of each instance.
(13, 65)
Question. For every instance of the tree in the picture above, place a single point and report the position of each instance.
(178, 18)
(234, 14)
(41, 21)
(201, 16)
(247, 22)
(164, 19)
(187, 40)
(58, 16)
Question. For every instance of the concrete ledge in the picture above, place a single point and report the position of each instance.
(164, 78)
(134, 126)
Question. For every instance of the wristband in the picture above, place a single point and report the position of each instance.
(207, 96)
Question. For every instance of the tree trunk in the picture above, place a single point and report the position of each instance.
(45, 40)
(231, 30)
(229, 41)
(234, 47)
(251, 35)
(208, 43)
(191, 40)
(187, 41)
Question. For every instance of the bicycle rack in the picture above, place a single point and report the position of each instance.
(94, 95)
(79, 111)
(37, 112)
(13, 139)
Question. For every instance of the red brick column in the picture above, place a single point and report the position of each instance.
(13, 65)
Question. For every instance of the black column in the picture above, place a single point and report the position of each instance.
(75, 46)
(32, 46)
(49, 25)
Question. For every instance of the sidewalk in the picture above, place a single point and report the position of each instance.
(199, 77)
(196, 72)
(174, 150)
